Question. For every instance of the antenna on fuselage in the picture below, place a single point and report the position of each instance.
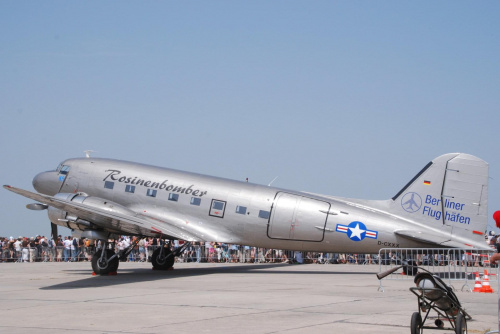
(87, 153)
(272, 181)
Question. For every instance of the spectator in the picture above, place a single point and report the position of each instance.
(67, 249)
(59, 249)
(25, 250)
(33, 250)
(142, 251)
(18, 249)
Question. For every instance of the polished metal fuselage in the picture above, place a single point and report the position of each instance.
(221, 210)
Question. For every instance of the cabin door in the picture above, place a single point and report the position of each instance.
(296, 217)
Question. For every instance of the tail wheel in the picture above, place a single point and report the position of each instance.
(416, 323)
(104, 266)
(164, 262)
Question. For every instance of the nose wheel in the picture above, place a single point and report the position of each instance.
(104, 263)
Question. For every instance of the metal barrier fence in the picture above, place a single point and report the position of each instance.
(195, 253)
(449, 264)
(46, 254)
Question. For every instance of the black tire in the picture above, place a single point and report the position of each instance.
(416, 323)
(162, 264)
(106, 267)
(460, 324)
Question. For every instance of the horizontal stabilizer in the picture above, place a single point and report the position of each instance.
(429, 238)
(433, 239)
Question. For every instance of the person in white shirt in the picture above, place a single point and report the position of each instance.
(18, 248)
(67, 249)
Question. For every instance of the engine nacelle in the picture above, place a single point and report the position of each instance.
(74, 222)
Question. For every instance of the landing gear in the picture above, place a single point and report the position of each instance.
(162, 259)
(104, 263)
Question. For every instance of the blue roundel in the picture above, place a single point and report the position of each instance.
(356, 231)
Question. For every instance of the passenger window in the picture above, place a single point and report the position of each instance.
(173, 197)
(151, 193)
(195, 201)
(241, 210)
(264, 214)
(109, 184)
(216, 205)
(129, 188)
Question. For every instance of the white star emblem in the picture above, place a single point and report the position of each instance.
(356, 232)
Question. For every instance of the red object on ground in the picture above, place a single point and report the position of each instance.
(486, 287)
(477, 284)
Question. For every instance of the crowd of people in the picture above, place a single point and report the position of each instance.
(72, 249)
(40, 248)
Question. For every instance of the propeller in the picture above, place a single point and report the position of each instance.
(39, 207)
(53, 229)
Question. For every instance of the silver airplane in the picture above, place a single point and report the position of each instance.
(444, 205)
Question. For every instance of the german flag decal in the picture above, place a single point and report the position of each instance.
(427, 183)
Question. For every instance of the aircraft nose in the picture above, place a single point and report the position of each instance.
(47, 183)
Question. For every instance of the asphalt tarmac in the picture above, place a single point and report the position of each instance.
(56, 298)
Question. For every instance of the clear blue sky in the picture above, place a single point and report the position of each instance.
(347, 98)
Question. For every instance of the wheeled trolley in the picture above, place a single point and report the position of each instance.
(433, 295)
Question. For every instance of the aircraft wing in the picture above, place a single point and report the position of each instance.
(137, 224)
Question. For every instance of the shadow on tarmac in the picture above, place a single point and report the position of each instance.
(127, 276)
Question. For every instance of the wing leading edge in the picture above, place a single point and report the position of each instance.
(112, 221)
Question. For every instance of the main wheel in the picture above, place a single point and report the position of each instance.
(416, 323)
(460, 324)
(105, 266)
(162, 263)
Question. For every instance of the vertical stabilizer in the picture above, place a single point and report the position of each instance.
(450, 194)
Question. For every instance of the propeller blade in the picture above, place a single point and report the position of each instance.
(53, 228)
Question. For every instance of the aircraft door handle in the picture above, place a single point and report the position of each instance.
(333, 213)
(324, 229)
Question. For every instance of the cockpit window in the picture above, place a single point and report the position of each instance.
(63, 169)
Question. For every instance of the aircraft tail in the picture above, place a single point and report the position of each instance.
(450, 196)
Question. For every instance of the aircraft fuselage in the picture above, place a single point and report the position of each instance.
(223, 210)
